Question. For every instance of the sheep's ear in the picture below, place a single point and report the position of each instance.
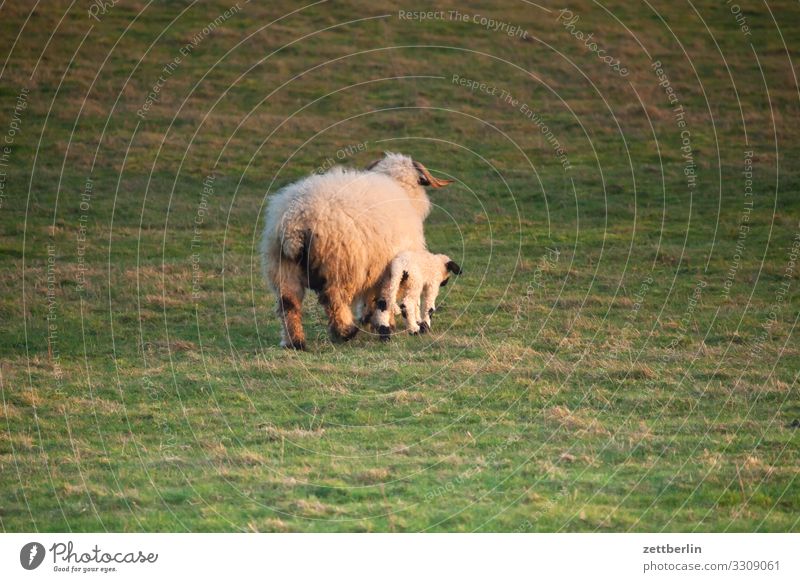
(453, 267)
(376, 162)
(426, 179)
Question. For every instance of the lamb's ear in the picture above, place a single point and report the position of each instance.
(426, 179)
(453, 267)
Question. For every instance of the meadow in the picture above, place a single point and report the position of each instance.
(620, 353)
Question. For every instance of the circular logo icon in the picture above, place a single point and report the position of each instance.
(31, 555)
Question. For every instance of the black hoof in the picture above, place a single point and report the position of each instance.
(385, 332)
(346, 336)
(299, 346)
(413, 333)
(424, 327)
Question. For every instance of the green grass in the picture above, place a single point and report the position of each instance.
(581, 391)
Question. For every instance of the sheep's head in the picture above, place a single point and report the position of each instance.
(407, 171)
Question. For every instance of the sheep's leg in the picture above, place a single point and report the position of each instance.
(290, 311)
(285, 278)
(340, 316)
(369, 299)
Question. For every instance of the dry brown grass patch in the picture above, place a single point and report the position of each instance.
(373, 476)
(405, 397)
(575, 421)
(273, 433)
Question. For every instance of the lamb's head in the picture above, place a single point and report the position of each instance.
(438, 274)
(410, 173)
(445, 267)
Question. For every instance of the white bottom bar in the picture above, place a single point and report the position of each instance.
(389, 557)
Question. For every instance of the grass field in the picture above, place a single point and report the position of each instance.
(621, 353)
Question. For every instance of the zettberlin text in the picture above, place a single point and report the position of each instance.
(668, 549)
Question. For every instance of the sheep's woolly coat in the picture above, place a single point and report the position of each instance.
(335, 233)
(412, 281)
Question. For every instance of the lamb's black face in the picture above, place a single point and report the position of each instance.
(453, 267)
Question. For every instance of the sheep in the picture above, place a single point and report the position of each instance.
(334, 233)
(412, 277)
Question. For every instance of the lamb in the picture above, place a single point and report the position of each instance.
(335, 233)
(413, 277)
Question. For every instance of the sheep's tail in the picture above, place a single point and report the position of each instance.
(284, 255)
(294, 243)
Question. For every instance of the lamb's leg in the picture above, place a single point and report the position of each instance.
(411, 304)
(285, 278)
(340, 316)
(383, 319)
(429, 294)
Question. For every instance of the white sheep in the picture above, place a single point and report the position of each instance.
(411, 279)
(335, 233)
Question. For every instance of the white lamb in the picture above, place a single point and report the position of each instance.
(335, 233)
(411, 279)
